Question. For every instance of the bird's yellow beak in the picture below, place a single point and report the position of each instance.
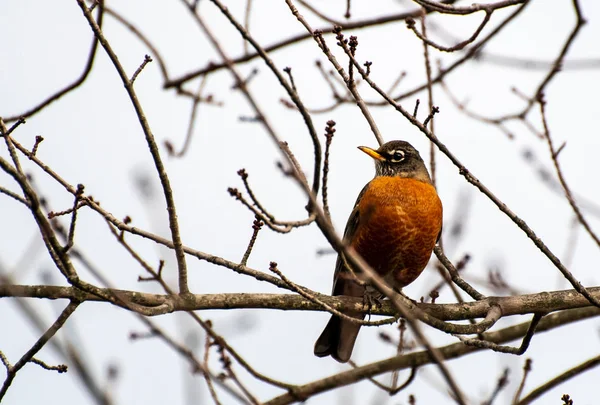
(372, 152)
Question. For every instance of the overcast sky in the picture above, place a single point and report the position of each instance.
(92, 136)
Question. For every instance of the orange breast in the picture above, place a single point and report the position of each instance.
(399, 222)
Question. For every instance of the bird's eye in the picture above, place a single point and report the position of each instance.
(397, 156)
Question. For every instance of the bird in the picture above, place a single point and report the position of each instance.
(394, 226)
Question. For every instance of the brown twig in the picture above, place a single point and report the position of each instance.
(288, 88)
(207, 376)
(247, 22)
(465, 10)
(318, 13)
(394, 389)
(502, 383)
(462, 107)
(288, 71)
(447, 280)
(366, 23)
(399, 349)
(259, 211)
(313, 297)
(410, 23)
(26, 358)
(469, 55)
(155, 330)
(554, 156)
(567, 375)
(230, 373)
(189, 355)
(162, 174)
(432, 165)
(350, 83)
(76, 205)
(556, 67)
(329, 79)
(418, 359)
(7, 132)
(226, 346)
(38, 140)
(256, 225)
(526, 370)
(219, 261)
(14, 196)
(192, 121)
(61, 368)
(455, 277)
(75, 84)
(329, 132)
(64, 347)
(147, 59)
(506, 349)
(143, 38)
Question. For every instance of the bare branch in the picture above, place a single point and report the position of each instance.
(27, 357)
(567, 375)
(162, 174)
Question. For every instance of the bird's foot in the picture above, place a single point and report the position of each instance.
(372, 298)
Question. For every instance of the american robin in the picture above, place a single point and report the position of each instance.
(395, 223)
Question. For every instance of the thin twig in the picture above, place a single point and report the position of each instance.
(417, 359)
(288, 88)
(410, 23)
(147, 59)
(256, 225)
(26, 358)
(567, 375)
(329, 132)
(350, 84)
(61, 368)
(265, 216)
(162, 174)
(432, 166)
(502, 383)
(526, 370)
(393, 390)
(14, 195)
(227, 365)
(366, 23)
(7, 132)
(75, 84)
(207, 376)
(554, 155)
(466, 287)
(308, 295)
(193, 114)
(507, 349)
(247, 22)
(135, 31)
(71, 235)
(189, 355)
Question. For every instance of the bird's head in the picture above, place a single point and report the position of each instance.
(398, 158)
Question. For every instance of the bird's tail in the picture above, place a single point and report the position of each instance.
(338, 338)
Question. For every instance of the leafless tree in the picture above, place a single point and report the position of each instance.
(316, 79)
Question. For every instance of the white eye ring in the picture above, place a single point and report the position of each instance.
(396, 156)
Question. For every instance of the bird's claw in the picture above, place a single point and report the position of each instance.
(372, 298)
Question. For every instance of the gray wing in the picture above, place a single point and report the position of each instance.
(349, 231)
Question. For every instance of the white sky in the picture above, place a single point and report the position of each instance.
(92, 137)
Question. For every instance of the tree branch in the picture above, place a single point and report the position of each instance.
(543, 302)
